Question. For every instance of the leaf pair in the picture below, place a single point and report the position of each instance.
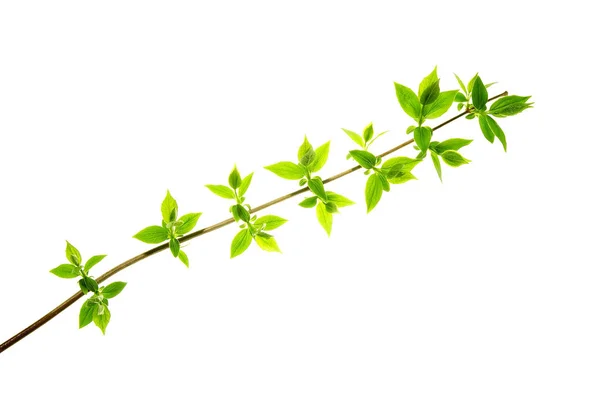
(256, 230)
(171, 229)
(367, 138)
(75, 269)
(96, 307)
(237, 186)
(326, 204)
(430, 103)
(309, 161)
(464, 98)
(396, 170)
(448, 151)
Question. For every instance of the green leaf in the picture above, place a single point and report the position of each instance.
(267, 243)
(174, 246)
(331, 207)
(485, 128)
(452, 144)
(235, 180)
(82, 286)
(460, 82)
(113, 289)
(66, 271)
(184, 258)
(373, 191)
(240, 243)
(408, 101)
(428, 81)
(480, 94)
(410, 129)
(239, 212)
(436, 163)
(385, 185)
(459, 97)
(431, 93)
(364, 158)
(73, 254)
(188, 222)
(355, 137)
(86, 313)
(222, 191)
(440, 106)
(169, 208)
(316, 186)
(90, 284)
(101, 317)
(401, 178)
(321, 155)
(339, 200)
(94, 260)
(470, 116)
(306, 154)
(377, 136)
(324, 217)
(368, 133)
(245, 184)
(423, 137)
(453, 158)
(472, 83)
(496, 130)
(509, 106)
(401, 163)
(153, 235)
(287, 170)
(270, 221)
(309, 202)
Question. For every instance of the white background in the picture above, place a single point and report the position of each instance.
(481, 288)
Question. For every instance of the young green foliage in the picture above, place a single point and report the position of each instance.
(367, 139)
(173, 228)
(453, 158)
(310, 161)
(253, 227)
(94, 308)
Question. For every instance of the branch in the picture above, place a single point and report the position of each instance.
(50, 315)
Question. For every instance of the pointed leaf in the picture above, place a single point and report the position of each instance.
(452, 144)
(355, 137)
(373, 191)
(73, 254)
(440, 106)
(92, 262)
(235, 180)
(221, 190)
(169, 208)
(240, 243)
(408, 101)
(495, 128)
(245, 184)
(188, 222)
(428, 81)
(113, 289)
(306, 154)
(460, 82)
(401, 163)
(324, 217)
(270, 221)
(66, 271)
(365, 159)
(287, 170)
(431, 93)
(309, 202)
(339, 200)
(101, 318)
(267, 243)
(485, 128)
(453, 158)
(184, 258)
(480, 94)
(153, 235)
(509, 106)
(174, 246)
(423, 137)
(321, 155)
(436, 163)
(316, 186)
(368, 133)
(86, 313)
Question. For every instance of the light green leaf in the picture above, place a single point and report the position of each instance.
(174, 246)
(401, 178)
(460, 82)
(509, 106)
(385, 185)
(428, 81)
(73, 254)
(306, 154)
(324, 217)
(309, 202)
(431, 93)
(66, 271)
(287, 170)
(188, 222)
(436, 163)
(495, 128)
(485, 128)
(86, 313)
(113, 289)
(472, 83)
(410, 129)
(402, 163)
(240, 243)
(90, 284)
(480, 94)
(153, 235)
(440, 106)
(339, 200)
(364, 158)
(169, 208)
(373, 191)
(355, 137)
(239, 212)
(459, 97)
(92, 262)
(270, 221)
(101, 317)
(245, 184)
(235, 180)
(452, 144)
(267, 243)
(408, 101)
(184, 258)
(221, 190)
(316, 186)
(453, 158)
(368, 133)
(321, 155)
(423, 137)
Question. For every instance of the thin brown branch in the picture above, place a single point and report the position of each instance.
(50, 315)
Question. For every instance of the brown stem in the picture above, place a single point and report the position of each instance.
(47, 317)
